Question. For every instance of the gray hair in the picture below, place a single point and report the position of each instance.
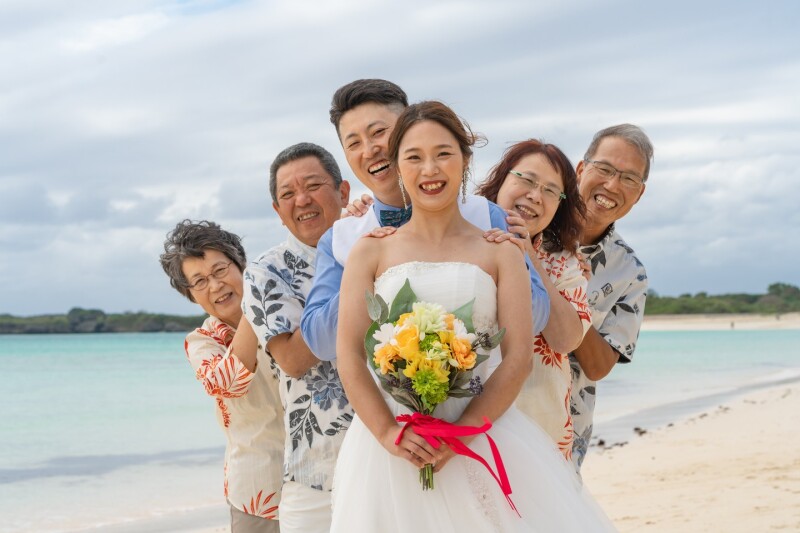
(192, 239)
(299, 151)
(633, 135)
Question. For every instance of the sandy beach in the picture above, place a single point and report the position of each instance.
(733, 468)
(720, 322)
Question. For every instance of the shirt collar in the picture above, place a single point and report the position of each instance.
(379, 206)
(308, 253)
(601, 244)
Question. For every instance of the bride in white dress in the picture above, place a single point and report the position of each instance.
(447, 261)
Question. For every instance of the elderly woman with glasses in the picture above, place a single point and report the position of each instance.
(536, 184)
(205, 264)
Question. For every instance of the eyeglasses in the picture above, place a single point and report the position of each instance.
(628, 180)
(549, 192)
(218, 273)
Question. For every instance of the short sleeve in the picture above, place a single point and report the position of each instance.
(621, 326)
(222, 374)
(269, 302)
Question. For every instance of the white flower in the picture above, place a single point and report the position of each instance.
(460, 331)
(428, 317)
(384, 335)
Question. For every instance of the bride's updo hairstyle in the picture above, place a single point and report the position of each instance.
(563, 231)
(442, 115)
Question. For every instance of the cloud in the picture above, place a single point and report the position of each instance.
(115, 32)
(122, 118)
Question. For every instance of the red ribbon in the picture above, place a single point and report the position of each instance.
(434, 430)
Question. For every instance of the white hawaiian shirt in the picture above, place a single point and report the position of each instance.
(249, 413)
(317, 412)
(617, 292)
(545, 396)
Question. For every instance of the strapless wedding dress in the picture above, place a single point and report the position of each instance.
(376, 492)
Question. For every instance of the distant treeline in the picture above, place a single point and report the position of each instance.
(780, 298)
(96, 321)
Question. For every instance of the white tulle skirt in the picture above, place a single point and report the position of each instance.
(375, 491)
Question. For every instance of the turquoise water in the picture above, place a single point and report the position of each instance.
(104, 429)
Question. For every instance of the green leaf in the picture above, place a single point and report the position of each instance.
(480, 358)
(460, 393)
(496, 339)
(464, 314)
(376, 307)
(462, 378)
(402, 302)
(373, 307)
(370, 343)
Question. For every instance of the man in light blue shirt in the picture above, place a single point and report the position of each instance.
(364, 113)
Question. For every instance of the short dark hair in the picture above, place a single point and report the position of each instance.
(360, 92)
(435, 112)
(192, 239)
(563, 231)
(299, 151)
(631, 134)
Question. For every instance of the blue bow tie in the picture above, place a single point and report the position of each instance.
(395, 217)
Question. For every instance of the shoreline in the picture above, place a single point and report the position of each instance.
(720, 322)
(732, 467)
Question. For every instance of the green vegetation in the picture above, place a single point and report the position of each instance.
(95, 321)
(780, 298)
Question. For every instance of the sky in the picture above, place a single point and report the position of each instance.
(118, 119)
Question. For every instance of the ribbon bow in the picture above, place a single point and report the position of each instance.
(395, 217)
(435, 429)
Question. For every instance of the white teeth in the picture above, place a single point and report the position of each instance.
(220, 300)
(432, 186)
(377, 167)
(525, 211)
(306, 216)
(602, 201)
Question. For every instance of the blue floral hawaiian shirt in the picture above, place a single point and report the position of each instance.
(317, 412)
(617, 292)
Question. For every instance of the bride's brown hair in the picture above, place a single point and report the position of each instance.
(442, 115)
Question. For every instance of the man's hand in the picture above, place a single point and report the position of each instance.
(359, 207)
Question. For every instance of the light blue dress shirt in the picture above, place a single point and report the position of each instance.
(321, 314)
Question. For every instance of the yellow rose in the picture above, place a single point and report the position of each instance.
(402, 320)
(448, 321)
(408, 342)
(385, 358)
(463, 354)
(446, 337)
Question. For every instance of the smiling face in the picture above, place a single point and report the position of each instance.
(520, 193)
(606, 200)
(364, 133)
(432, 165)
(222, 298)
(308, 201)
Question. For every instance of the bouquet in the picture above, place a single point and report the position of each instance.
(423, 355)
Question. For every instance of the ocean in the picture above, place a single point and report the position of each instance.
(111, 432)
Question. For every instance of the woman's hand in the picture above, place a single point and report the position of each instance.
(412, 447)
(359, 207)
(379, 233)
(517, 233)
